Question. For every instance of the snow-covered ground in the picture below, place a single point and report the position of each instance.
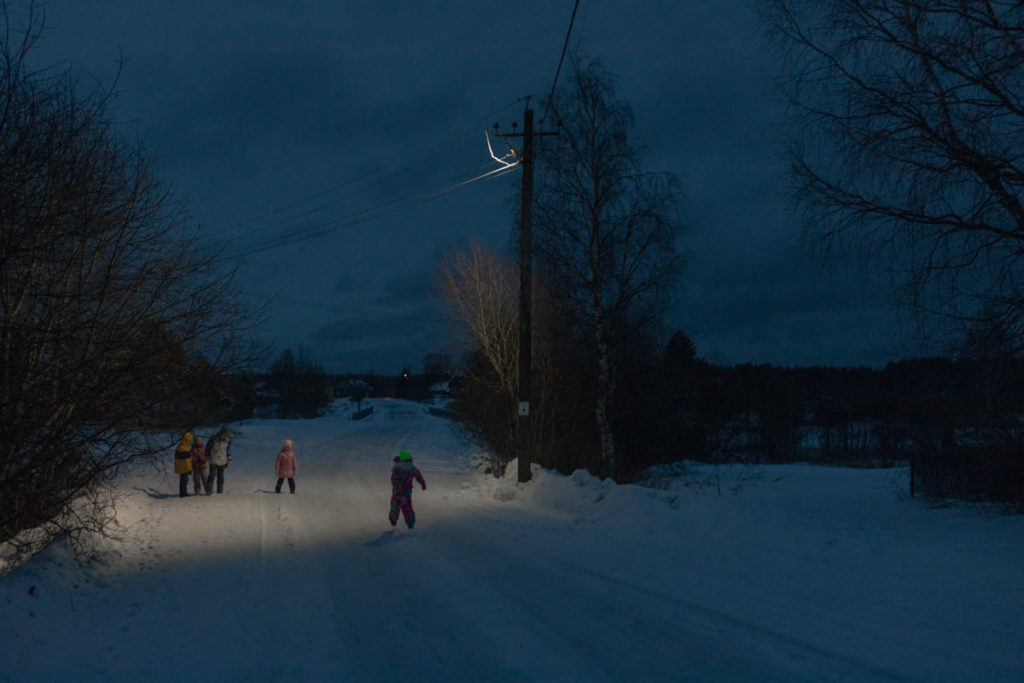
(798, 573)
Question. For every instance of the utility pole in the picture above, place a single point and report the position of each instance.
(524, 437)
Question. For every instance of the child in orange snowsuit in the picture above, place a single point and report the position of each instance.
(402, 476)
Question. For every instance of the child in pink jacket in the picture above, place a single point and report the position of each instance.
(402, 476)
(199, 461)
(286, 467)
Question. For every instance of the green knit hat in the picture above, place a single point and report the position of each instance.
(404, 456)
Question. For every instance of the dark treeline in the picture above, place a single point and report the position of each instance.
(767, 414)
(297, 386)
(957, 422)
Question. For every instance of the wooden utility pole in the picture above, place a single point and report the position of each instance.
(524, 437)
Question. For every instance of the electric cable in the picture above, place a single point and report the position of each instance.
(316, 209)
(299, 202)
(430, 156)
(363, 215)
(565, 46)
(378, 211)
(583, 25)
(358, 217)
(321, 207)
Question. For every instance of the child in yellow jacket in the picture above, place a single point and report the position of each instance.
(183, 463)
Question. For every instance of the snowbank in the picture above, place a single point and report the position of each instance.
(794, 572)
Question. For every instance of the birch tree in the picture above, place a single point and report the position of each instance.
(480, 288)
(605, 232)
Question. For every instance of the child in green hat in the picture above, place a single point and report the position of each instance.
(402, 476)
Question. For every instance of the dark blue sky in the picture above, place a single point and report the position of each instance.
(329, 113)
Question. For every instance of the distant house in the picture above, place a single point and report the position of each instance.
(266, 400)
(352, 387)
(452, 387)
(265, 394)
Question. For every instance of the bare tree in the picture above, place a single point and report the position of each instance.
(480, 289)
(438, 365)
(107, 302)
(302, 386)
(907, 142)
(605, 232)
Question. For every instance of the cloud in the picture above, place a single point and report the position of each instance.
(251, 109)
(354, 331)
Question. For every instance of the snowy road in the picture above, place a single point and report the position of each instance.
(493, 584)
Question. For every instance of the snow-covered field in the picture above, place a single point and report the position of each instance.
(798, 573)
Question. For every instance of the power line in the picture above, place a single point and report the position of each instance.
(330, 190)
(299, 202)
(430, 156)
(565, 46)
(384, 208)
(583, 25)
(378, 211)
(326, 205)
